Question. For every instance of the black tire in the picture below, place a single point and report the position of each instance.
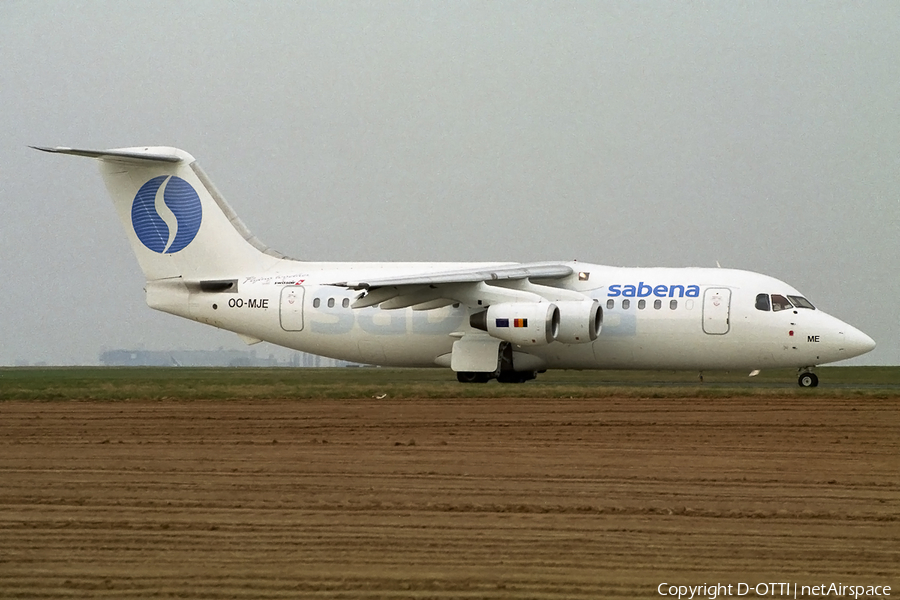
(472, 377)
(808, 380)
(515, 376)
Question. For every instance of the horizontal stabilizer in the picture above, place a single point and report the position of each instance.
(130, 154)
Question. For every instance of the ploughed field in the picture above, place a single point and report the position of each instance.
(434, 496)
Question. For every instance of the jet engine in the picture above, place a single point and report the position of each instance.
(521, 323)
(579, 322)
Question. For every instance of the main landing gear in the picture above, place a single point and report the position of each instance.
(472, 377)
(502, 376)
(808, 380)
(516, 376)
(505, 372)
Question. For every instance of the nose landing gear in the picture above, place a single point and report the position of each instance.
(808, 380)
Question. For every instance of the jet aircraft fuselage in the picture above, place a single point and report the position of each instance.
(507, 321)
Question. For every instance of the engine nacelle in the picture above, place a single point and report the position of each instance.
(521, 323)
(579, 322)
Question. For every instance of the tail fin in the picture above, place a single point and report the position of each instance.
(177, 222)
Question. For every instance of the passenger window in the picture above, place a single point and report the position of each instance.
(673, 304)
(331, 303)
(346, 303)
(657, 304)
(762, 302)
(626, 303)
(801, 302)
(316, 303)
(780, 303)
(610, 303)
(642, 304)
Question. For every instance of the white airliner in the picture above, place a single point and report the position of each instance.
(505, 321)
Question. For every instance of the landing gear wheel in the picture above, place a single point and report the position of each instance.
(808, 380)
(515, 376)
(473, 377)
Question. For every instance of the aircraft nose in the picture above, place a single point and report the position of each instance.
(856, 342)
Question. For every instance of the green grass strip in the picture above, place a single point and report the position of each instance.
(174, 383)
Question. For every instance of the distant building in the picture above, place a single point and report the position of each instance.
(211, 358)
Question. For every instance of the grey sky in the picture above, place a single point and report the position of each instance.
(765, 137)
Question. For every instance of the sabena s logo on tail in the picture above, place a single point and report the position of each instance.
(176, 227)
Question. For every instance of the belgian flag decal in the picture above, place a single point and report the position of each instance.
(516, 322)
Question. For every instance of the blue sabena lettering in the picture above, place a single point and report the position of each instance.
(642, 290)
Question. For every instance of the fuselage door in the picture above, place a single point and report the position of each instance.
(292, 308)
(716, 311)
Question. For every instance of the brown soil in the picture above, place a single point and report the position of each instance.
(445, 498)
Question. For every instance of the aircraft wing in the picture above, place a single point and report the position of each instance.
(500, 272)
(436, 289)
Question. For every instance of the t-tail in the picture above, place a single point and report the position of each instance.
(178, 224)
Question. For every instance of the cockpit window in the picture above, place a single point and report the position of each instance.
(801, 302)
(762, 302)
(779, 302)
